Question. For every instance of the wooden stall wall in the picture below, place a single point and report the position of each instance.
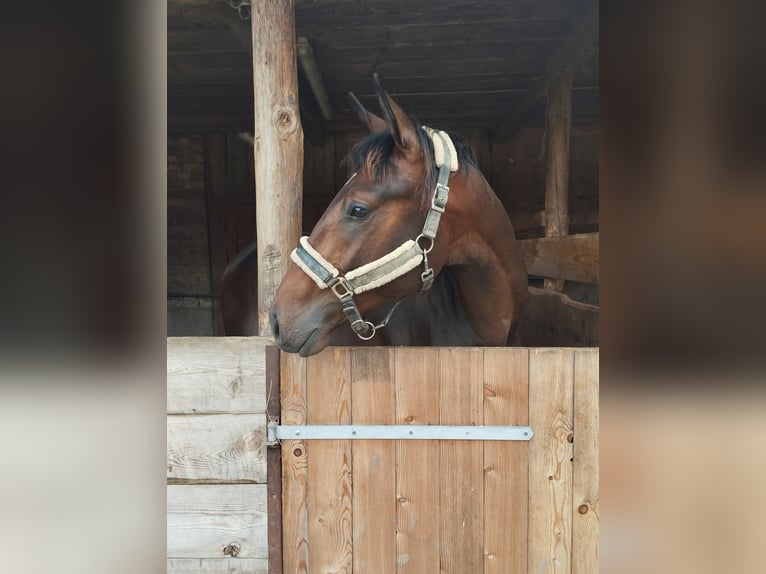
(398, 506)
(216, 455)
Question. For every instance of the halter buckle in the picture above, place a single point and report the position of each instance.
(440, 197)
(348, 292)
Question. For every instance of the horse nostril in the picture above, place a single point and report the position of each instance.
(275, 327)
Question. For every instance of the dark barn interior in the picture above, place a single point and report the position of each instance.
(482, 69)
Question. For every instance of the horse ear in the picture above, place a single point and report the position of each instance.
(375, 123)
(399, 123)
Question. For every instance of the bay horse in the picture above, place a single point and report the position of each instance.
(415, 249)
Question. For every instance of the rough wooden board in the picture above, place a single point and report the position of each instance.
(506, 482)
(573, 257)
(295, 555)
(461, 478)
(417, 492)
(217, 566)
(205, 519)
(217, 448)
(585, 487)
(328, 397)
(550, 460)
(556, 320)
(374, 496)
(216, 374)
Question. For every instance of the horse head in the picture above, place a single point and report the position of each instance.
(368, 250)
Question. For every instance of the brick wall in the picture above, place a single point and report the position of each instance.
(190, 309)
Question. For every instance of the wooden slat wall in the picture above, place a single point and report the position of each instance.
(328, 395)
(444, 506)
(417, 402)
(506, 391)
(585, 494)
(216, 463)
(550, 460)
(295, 536)
(373, 390)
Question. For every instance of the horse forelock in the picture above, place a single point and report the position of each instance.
(375, 154)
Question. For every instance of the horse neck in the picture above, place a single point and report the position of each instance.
(484, 258)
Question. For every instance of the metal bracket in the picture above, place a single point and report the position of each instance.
(276, 433)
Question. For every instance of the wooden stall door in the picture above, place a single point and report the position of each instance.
(427, 506)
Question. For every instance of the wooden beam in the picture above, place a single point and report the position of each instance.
(309, 121)
(278, 147)
(573, 257)
(312, 125)
(575, 50)
(311, 69)
(525, 222)
(558, 119)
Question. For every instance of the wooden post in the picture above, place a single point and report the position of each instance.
(557, 122)
(278, 147)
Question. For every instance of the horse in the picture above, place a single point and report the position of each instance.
(239, 294)
(414, 250)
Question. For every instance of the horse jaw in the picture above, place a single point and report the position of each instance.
(306, 333)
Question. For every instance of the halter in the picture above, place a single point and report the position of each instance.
(385, 269)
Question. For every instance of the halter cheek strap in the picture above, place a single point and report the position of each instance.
(391, 266)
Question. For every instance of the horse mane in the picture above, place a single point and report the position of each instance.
(375, 152)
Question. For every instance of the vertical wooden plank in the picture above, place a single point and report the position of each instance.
(550, 460)
(278, 150)
(585, 493)
(558, 118)
(417, 462)
(374, 496)
(295, 535)
(462, 462)
(328, 395)
(506, 468)
(274, 461)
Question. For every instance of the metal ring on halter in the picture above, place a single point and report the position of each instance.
(431, 239)
(372, 333)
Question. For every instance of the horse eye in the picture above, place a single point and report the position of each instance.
(359, 212)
